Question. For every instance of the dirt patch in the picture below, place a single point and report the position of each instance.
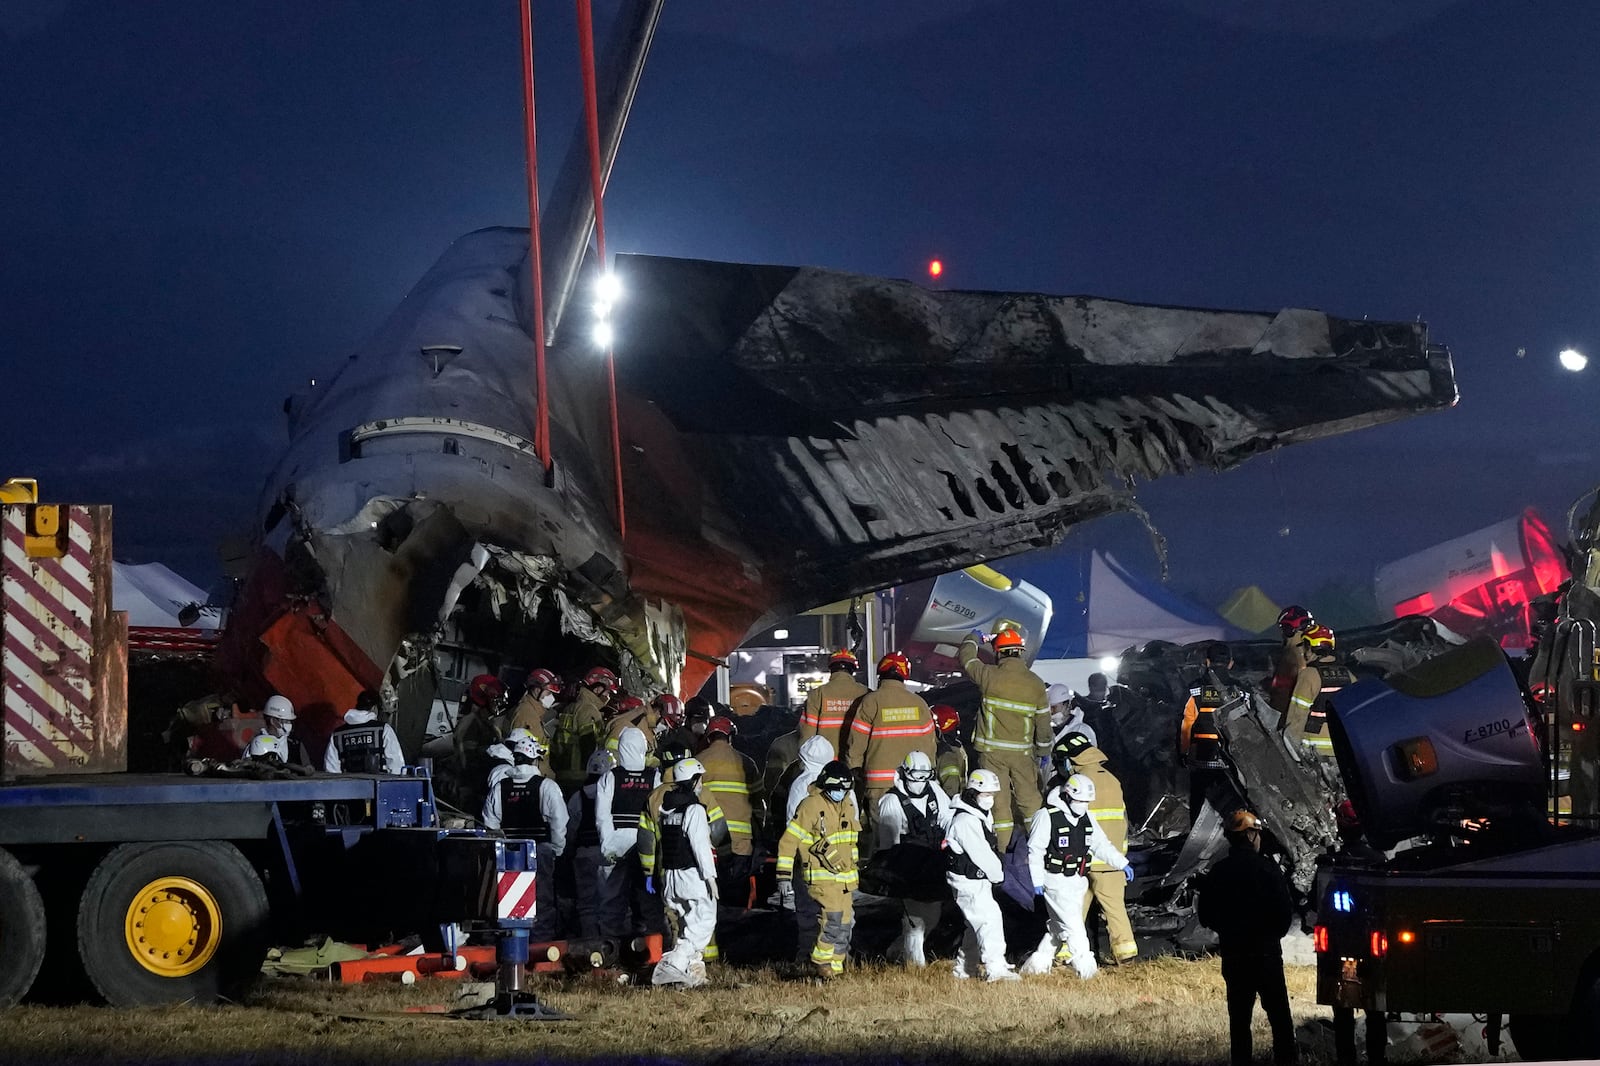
(1156, 1012)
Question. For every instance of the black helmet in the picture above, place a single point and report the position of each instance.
(1069, 747)
(834, 775)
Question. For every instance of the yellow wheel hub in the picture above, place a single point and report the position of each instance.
(173, 926)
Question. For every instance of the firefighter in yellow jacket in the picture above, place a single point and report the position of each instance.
(822, 837)
(887, 725)
(1013, 730)
(1305, 727)
(1107, 884)
(829, 703)
(731, 783)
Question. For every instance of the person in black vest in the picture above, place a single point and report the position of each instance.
(1063, 839)
(278, 722)
(1245, 900)
(688, 877)
(584, 836)
(364, 745)
(973, 868)
(910, 830)
(1199, 736)
(526, 805)
(620, 799)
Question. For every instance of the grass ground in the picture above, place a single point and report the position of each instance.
(1156, 1012)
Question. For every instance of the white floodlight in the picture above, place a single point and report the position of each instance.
(603, 334)
(1109, 663)
(1573, 359)
(608, 288)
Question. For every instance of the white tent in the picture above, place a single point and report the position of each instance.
(153, 596)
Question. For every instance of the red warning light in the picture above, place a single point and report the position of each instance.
(935, 267)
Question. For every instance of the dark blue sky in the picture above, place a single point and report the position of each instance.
(203, 204)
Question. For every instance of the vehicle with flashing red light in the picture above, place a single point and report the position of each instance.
(1490, 903)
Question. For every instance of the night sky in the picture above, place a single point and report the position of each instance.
(203, 204)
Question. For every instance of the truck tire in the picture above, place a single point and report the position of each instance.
(21, 930)
(172, 923)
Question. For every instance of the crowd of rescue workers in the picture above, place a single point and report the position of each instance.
(662, 817)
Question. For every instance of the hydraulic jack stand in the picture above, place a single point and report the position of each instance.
(515, 861)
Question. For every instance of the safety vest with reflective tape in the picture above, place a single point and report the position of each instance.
(1332, 678)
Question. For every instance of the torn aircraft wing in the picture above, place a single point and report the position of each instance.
(789, 437)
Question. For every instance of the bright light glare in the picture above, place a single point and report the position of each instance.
(1573, 359)
(1109, 663)
(603, 334)
(936, 267)
(602, 310)
(780, 634)
(608, 287)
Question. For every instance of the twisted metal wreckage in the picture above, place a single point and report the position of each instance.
(789, 437)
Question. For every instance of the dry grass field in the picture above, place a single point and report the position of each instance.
(1160, 1011)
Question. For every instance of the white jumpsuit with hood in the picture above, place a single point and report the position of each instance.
(691, 895)
(920, 915)
(985, 938)
(553, 807)
(620, 875)
(1064, 892)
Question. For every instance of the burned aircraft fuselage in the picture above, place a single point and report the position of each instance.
(789, 436)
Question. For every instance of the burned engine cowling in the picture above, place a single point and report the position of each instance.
(1448, 741)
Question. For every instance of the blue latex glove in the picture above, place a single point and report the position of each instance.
(979, 635)
(1038, 890)
(650, 884)
(1127, 871)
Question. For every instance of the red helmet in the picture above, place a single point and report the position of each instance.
(485, 689)
(895, 664)
(601, 676)
(1008, 639)
(543, 679)
(1295, 619)
(843, 659)
(722, 724)
(1345, 817)
(670, 708)
(629, 704)
(945, 718)
(1320, 638)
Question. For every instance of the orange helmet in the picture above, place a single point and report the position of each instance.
(945, 718)
(843, 659)
(895, 664)
(1243, 820)
(1009, 640)
(1320, 637)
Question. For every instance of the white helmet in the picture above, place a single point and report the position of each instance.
(499, 753)
(1080, 788)
(981, 781)
(602, 762)
(278, 707)
(916, 766)
(262, 746)
(520, 733)
(687, 770)
(528, 747)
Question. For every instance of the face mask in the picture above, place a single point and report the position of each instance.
(986, 801)
(548, 700)
(1078, 807)
(835, 794)
(277, 728)
(914, 786)
(1058, 717)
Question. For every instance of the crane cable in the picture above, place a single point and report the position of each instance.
(597, 184)
(541, 424)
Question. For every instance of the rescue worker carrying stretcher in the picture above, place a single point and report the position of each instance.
(910, 838)
(1108, 886)
(1063, 839)
(1013, 731)
(972, 869)
(821, 840)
